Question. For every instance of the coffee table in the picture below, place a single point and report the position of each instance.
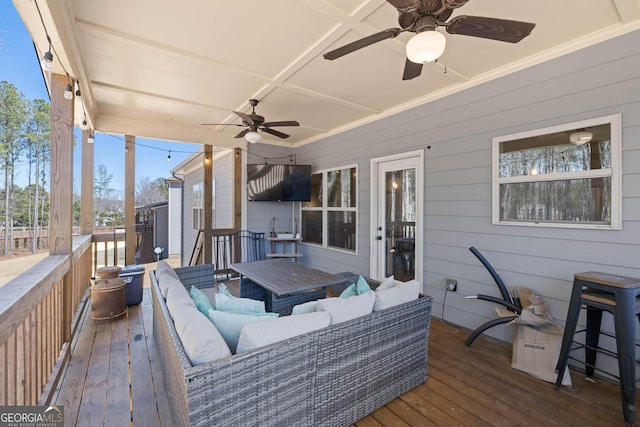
(281, 284)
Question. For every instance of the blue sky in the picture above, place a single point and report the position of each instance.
(19, 66)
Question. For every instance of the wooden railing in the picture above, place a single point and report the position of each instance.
(39, 312)
(108, 249)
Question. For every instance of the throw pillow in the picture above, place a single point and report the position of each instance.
(230, 324)
(387, 282)
(203, 303)
(358, 288)
(244, 305)
(269, 331)
(177, 297)
(343, 309)
(201, 340)
(400, 293)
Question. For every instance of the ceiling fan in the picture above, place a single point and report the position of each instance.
(254, 122)
(423, 17)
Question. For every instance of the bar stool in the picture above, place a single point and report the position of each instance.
(600, 292)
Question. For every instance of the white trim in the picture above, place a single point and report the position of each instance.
(373, 211)
(615, 120)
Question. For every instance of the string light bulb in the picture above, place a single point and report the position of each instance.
(84, 125)
(90, 138)
(169, 156)
(68, 92)
(47, 58)
(78, 94)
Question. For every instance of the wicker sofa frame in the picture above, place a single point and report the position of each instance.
(330, 377)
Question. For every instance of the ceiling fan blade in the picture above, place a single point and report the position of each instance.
(220, 124)
(364, 42)
(490, 28)
(284, 123)
(275, 132)
(411, 70)
(244, 117)
(242, 133)
(404, 5)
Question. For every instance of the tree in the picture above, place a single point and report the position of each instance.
(13, 117)
(102, 188)
(151, 191)
(37, 142)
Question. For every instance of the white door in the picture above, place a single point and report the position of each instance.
(396, 216)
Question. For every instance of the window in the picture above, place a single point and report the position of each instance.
(330, 218)
(563, 176)
(198, 205)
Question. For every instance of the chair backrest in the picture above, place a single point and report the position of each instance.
(251, 246)
(504, 291)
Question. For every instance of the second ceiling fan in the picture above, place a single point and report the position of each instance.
(254, 122)
(423, 17)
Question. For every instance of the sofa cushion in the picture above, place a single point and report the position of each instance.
(203, 303)
(343, 309)
(201, 340)
(305, 307)
(230, 324)
(398, 294)
(358, 288)
(164, 270)
(241, 305)
(177, 296)
(269, 331)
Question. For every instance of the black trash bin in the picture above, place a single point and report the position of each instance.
(133, 276)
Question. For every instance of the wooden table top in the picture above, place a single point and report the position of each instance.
(283, 277)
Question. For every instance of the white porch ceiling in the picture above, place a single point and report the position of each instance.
(160, 68)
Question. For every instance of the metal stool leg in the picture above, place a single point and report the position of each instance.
(569, 330)
(594, 321)
(625, 324)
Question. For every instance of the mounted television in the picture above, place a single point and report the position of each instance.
(279, 183)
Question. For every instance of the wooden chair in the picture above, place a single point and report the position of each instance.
(512, 305)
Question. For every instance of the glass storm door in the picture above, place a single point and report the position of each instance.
(398, 227)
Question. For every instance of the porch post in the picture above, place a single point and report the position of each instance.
(61, 191)
(237, 190)
(207, 244)
(237, 199)
(130, 199)
(86, 196)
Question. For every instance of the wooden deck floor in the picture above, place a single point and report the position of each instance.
(114, 379)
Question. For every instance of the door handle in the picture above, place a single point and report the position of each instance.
(378, 237)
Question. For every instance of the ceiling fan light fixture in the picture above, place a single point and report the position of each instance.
(426, 46)
(580, 137)
(252, 137)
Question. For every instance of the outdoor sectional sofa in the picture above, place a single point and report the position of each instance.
(329, 377)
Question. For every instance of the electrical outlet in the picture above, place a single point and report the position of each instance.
(452, 284)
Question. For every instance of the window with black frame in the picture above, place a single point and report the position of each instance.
(329, 219)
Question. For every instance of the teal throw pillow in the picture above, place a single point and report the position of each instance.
(242, 305)
(230, 324)
(358, 288)
(203, 303)
(349, 292)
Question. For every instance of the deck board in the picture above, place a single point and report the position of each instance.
(467, 386)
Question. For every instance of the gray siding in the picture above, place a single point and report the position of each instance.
(223, 178)
(260, 214)
(601, 80)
